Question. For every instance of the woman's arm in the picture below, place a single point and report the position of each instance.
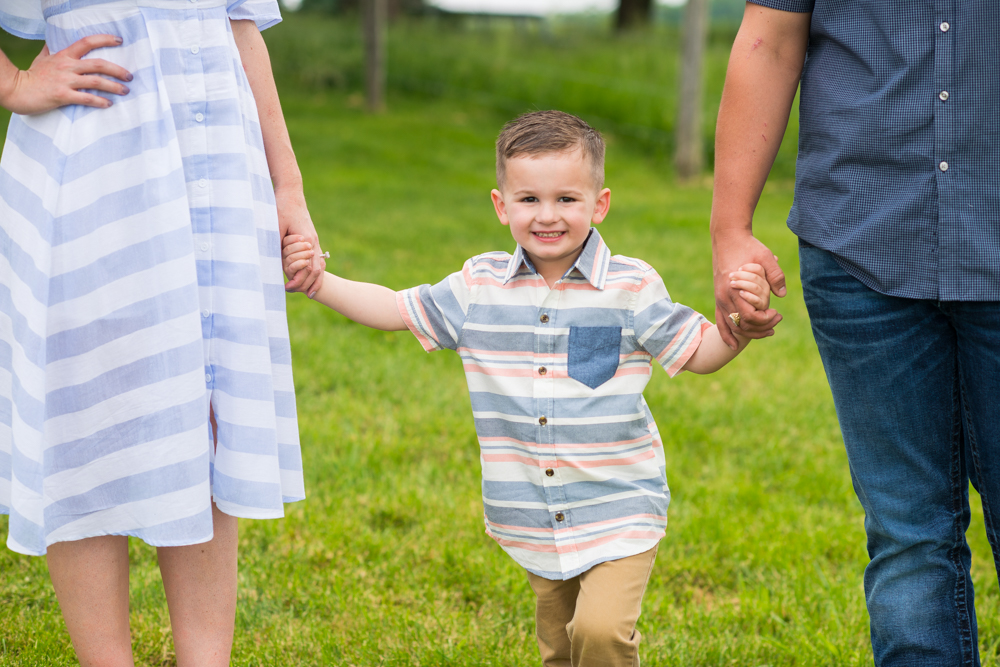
(57, 79)
(293, 215)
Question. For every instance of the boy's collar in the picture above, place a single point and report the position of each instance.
(592, 263)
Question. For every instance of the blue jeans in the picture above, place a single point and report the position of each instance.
(916, 386)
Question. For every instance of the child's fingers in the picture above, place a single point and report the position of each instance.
(294, 248)
(296, 261)
(292, 238)
(294, 267)
(754, 300)
(751, 278)
(753, 268)
(747, 285)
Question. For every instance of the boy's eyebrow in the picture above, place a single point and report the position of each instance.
(563, 193)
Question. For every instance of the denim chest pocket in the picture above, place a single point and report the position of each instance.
(593, 354)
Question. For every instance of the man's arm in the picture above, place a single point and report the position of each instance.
(763, 74)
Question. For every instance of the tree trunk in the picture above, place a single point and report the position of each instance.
(689, 157)
(373, 19)
(633, 13)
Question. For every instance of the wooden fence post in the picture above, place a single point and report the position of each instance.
(373, 13)
(690, 151)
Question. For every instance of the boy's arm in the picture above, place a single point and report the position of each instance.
(713, 353)
(371, 305)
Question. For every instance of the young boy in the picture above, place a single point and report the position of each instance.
(558, 341)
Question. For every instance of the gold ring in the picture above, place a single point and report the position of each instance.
(735, 317)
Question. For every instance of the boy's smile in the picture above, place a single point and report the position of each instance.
(550, 201)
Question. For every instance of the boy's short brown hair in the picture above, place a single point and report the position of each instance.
(541, 132)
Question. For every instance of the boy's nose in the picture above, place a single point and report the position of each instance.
(547, 214)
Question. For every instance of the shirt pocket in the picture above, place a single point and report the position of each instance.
(593, 354)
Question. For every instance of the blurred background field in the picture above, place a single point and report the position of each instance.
(386, 562)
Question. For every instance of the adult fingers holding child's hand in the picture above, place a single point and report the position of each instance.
(752, 284)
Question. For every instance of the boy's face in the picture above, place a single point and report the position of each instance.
(550, 201)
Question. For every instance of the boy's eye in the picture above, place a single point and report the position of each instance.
(566, 200)
(530, 200)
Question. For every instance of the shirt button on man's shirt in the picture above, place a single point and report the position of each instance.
(866, 200)
(943, 166)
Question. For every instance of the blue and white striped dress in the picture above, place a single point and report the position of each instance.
(140, 283)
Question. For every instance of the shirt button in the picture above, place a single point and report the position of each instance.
(543, 421)
(542, 371)
(549, 472)
(945, 26)
(205, 313)
(204, 247)
(199, 117)
(560, 516)
(203, 183)
(208, 377)
(195, 49)
(943, 166)
(544, 318)
(943, 95)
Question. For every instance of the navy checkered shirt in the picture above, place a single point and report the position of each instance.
(898, 172)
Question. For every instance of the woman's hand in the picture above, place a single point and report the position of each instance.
(58, 79)
(293, 219)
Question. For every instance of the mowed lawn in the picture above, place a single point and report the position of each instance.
(386, 562)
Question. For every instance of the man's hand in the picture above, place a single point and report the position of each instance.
(58, 79)
(729, 253)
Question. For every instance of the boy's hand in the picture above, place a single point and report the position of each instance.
(752, 283)
(296, 254)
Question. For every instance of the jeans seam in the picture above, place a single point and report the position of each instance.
(955, 553)
(991, 532)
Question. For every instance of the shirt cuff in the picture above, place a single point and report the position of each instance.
(797, 6)
(264, 13)
(411, 310)
(695, 328)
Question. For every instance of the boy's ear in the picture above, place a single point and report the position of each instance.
(500, 207)
(602, 207)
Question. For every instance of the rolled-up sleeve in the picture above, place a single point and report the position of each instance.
(797, 6)
(436, 313)
(670, 332)
(265, 13)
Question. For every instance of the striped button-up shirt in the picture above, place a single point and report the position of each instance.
(573, 466)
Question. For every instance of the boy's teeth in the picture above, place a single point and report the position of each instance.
(548, 235)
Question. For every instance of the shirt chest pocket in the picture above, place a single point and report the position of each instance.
(593, 354)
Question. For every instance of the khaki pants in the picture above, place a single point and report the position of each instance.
(589, 620)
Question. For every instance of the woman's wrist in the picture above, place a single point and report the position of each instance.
(9, 75)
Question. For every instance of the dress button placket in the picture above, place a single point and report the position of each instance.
(198, 134)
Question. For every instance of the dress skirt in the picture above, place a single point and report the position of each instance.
(140, 284)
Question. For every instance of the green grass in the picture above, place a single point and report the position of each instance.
(386, 562)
